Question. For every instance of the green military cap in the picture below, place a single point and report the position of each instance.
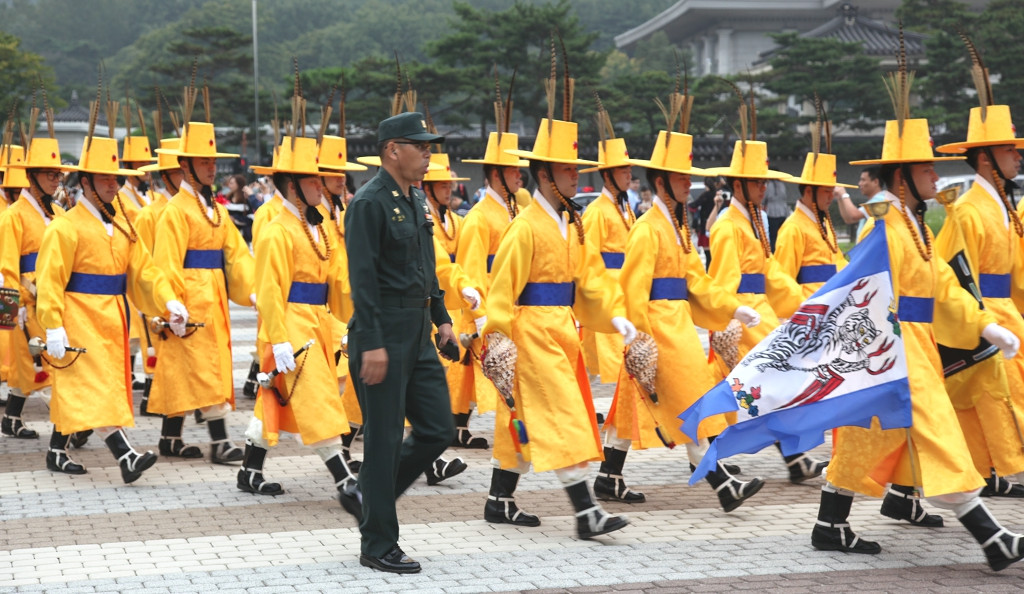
(410, 125)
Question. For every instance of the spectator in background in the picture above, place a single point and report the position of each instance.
(776, 206)
(645, 202)
(870, 185)
(241, 203)
(633, 193)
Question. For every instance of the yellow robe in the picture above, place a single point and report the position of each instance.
(800, 244)
(96, 390)
(479, 237)
(864, 460)
(21, 234)
(196, 371)
(266, 213)
(605, 227)
(735, 253)
(133, 204)
(315, 409)
(653, 252)
(145, 226)
(552, 391)
(5, 352)
(988, 396)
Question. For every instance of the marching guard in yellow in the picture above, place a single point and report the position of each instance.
(90, 260)
(544, 276)
(932, 454)
(989, 396)
(11, 183)
(207, 262)
(667, 292)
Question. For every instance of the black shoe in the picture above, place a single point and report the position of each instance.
(353, 464)
(591, 519)
(59, 461)
(463, 438)
(132, 463)
(351, 498)
(226, 453)
(802, 467)
(832, 532)
(732, 469)
(253, 481)
(997, 486)
(731, 491)
(501, 506)
(900, 503)
(138, 386)
(79, 439)
(171, 443)
(600, 418)
(144, 403)
(13, 427)
(443, 469)
(394, 561)
(1002, 547)
(609, 484)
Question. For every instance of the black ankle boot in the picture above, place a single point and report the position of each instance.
(57, 458)
(801, 466)
(609, 484)
(501, 505)
(346, 443)
(144, 403)
(250, 475)
(78, 440)
(465, 439)
(732, 469)
(1002, 547)
(443, 469)
(591, 519)
(132, 463)
(170, 440)
(832, 532)
(250, 388)
(222, 451)
(901, 503)
(349, 495)
(11, 425)
(997, 486)
(731, 491)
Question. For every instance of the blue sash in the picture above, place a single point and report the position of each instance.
(490, 262)
(751, 283)
(916, 309)
(452, 258)
(309, 293)
(97, 284)
(557, 294)
(213, 259)
(815, 273)
(27, 263)
(613, 260)
(671, 288)
(996, 286)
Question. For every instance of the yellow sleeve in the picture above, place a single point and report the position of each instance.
(53, 269)
(450, 276)
(637, 274)
(725, 260)
(511, 270)
(11, 231)
(238, 263)
(471, 254)
(711, 306)
(148, 288)
(782, 290)
(598, 296)
(789, 248)
(340, 294)
(145, 226)
(169, 246)
(274, 270)
(958, 319)
(595, 228)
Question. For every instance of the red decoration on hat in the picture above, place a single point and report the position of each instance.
(833, 174)
(691, 157)
(1014, 129)
(211, 142)
(625, 153)
(145, 149)
(341, 156)
(53, 155)
(575, 145)
(931, 141)
(113, 158)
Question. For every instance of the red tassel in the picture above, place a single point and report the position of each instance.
(151, 361)
(42, 376)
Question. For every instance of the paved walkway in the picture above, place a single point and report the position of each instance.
(184, 527)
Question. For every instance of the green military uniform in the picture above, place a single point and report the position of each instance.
(389, 238)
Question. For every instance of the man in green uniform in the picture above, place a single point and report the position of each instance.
(394, 366)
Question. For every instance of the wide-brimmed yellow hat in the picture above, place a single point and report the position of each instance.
(672, 152)
(914, 146)
(44, 153)
(556, 143)
(993, 129)
(612, 153)
(333, 152)
(14, 177)
(101, 157)
(197, 140)
(749, 161)
(819, 170)
(136, 149)
(498, 151)
(164, 161)
(298, 156)
(444, 171)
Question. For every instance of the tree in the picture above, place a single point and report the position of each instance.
(20, 73)
(999, 34)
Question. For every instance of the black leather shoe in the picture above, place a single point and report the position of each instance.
(394, 561)
(351, 499)
(443, 469)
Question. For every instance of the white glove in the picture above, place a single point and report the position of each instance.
(284, 357)
(747, 316)
(1001, 337)
(178, 317)
(252, 299)
(625, 328)
(56, 342)
(22, 317)
(472, 296)
(480, 323)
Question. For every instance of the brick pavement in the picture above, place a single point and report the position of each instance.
(184, 527)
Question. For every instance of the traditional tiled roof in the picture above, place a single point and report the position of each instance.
(74, 112)
(877, 38)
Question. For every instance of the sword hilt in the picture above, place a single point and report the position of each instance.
(265, 379)
(37, 345)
